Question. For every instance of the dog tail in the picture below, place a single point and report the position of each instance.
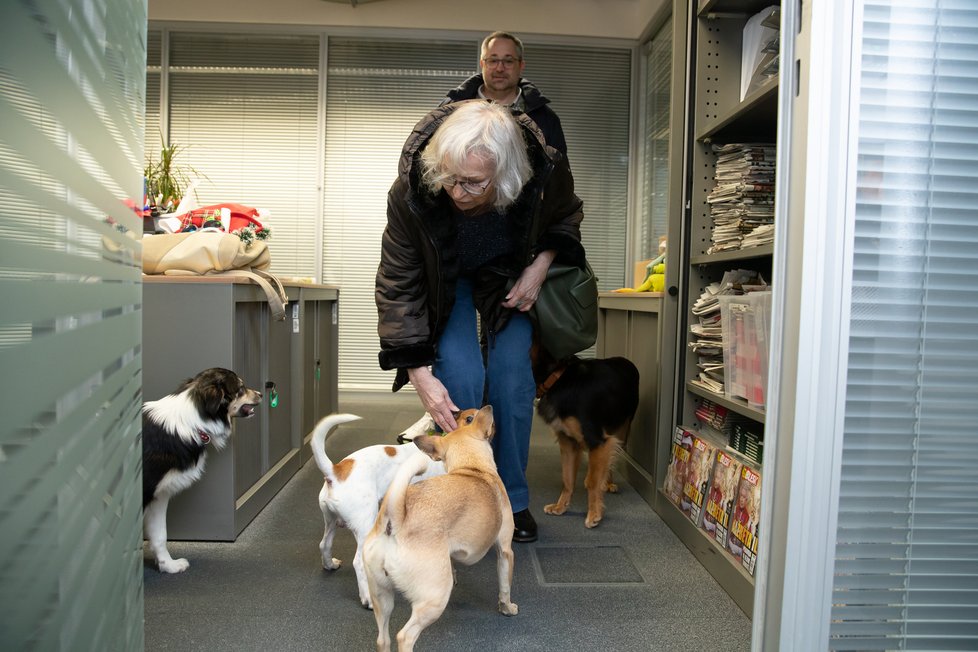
(319, 435)
(394, 501)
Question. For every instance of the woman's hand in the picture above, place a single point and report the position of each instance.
(524, 294)
(434, 397)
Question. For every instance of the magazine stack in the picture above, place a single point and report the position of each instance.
(719, 491)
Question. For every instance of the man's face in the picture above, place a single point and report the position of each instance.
(501, 66)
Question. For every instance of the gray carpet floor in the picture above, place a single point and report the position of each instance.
(628, 584)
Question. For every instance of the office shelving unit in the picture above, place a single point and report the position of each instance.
(716, 115)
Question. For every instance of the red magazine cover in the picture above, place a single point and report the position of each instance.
(697, 478)
(720, 498)
(742, 542)
(682, 444)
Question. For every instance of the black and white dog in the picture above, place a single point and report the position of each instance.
(176, 431)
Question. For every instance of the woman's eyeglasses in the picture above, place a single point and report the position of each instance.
(470, 187)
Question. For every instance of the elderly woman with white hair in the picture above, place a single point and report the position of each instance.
(479, 211)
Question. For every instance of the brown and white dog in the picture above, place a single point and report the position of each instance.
(176, 431)
(422, 528)
(354, 486)
(589, 405)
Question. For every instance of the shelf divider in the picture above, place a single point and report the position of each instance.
(737, 405)
(767, 92)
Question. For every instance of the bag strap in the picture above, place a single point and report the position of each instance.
(277, 298)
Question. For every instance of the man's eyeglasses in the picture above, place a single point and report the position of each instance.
(470, 187)
(507, 62)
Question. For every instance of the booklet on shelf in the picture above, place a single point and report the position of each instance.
(720, 497)
(682, 444)
(697, 478)
(744, 524)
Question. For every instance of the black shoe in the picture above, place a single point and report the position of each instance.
(526, 528)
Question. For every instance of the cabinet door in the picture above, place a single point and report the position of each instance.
(278, 373)
(247, 445)
(308, 367)
(325, 360)
(635, 335)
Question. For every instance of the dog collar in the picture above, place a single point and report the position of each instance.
(204, 437)
(545, 386)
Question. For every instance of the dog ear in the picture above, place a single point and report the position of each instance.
(214, 397)
(430, 445)
(485, 422)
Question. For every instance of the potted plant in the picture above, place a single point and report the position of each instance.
(166, 181)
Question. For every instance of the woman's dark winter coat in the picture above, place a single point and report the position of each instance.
(415, 288)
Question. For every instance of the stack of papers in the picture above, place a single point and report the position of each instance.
(743, 199)
(706, 333)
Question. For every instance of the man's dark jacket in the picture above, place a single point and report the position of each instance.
(415, 287)
(535, 105)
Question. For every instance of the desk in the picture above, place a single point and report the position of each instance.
(192, 323)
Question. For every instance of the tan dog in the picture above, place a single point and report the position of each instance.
(422, 528)
(353, 487)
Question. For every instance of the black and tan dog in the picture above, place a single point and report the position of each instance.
(589, 404)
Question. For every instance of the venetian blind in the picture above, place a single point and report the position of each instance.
(906, 570)
(377, 90)
(152, 128)
(589, 88)
(71, 105)
(655, 175)
(245, 108)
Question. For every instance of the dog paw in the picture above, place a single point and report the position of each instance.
(591, 521)
(332, 564)
(508, 608)
(612, 488)
(174, 566)
(555, 508)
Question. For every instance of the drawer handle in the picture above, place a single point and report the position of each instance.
(272, 394)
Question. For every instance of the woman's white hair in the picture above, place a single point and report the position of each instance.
(487, 130)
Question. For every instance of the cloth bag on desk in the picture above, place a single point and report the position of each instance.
(566, 310)
(214, 253)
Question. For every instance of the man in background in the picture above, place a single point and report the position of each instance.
(500, 81)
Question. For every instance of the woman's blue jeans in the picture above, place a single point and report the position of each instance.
(506, 374)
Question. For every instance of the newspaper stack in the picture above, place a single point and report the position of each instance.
(743, 199)
(707, 334)
(707, 340)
